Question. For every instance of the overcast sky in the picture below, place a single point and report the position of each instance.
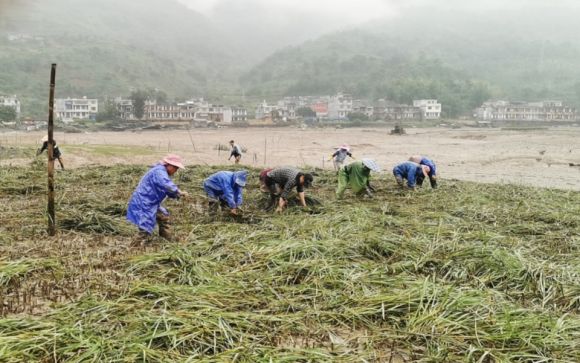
(344, 11)
(353, 12)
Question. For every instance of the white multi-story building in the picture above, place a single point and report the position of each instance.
(239, 114)
(69, 109)
(339, 106)
(11, 101)
(264, 110)
(287, 109)
(200, 107)
(526, 111)
(389, 110)
(191, 110)
(430, 109)
(283, 110)
(124, 108)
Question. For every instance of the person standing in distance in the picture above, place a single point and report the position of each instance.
(236, 152)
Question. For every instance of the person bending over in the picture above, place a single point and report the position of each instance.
(285, 179)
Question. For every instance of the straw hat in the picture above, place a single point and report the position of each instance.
(344, 147)
(174, 160)
(44, 139)
(371, 164)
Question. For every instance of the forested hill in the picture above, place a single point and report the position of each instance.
(106, 47)
(461, 58)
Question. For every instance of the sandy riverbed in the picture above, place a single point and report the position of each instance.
(531, 157)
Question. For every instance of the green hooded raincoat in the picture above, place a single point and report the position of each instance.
(355, 175)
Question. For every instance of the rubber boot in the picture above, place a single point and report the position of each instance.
(164, 226)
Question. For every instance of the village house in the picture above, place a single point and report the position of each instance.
(526, 111)
(200, 108)
(281, 111)
(220, 114)
(320, 108)
(162, 111)
(69, 109)
(430, 109)
(363, 107)
(124, 108)
(287, 109)
(190, 110)
(339, 106)
(11, 101)
(389, 110)
(239, 114)
(264, 110)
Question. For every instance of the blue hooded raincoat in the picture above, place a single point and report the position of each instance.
(431, 165)
(410, 171)
(146, 199)
(226, 186)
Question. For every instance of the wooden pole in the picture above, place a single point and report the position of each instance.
(51, 216)
(191, 139)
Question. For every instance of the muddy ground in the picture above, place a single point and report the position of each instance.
(541, 157)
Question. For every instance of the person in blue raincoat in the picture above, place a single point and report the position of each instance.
(423, 160)
(411, 172)
(225, 188)
(145, 210)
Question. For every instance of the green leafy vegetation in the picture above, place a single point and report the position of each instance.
(7, 113)
(467, 272)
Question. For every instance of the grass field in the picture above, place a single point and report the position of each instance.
(469, 272)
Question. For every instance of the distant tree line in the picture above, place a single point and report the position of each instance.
(7, 113)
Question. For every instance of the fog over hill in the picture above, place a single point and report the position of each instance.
(461, 52)
(109, 47)
(460, 55)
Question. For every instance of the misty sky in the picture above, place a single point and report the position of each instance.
(346, 12)
(341, 13)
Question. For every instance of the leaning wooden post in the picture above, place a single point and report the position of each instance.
(265, 149)
(51, 217)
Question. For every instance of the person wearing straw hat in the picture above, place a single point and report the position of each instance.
(281, 181)
(225, 188)
(423, 160)
(340, 155)
(410, 171)
(236, 152)
(56, 154)
(145, 210)
(357, 175)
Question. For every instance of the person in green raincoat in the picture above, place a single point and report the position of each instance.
(357, 176)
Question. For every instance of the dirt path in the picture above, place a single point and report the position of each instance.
(535, 157)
